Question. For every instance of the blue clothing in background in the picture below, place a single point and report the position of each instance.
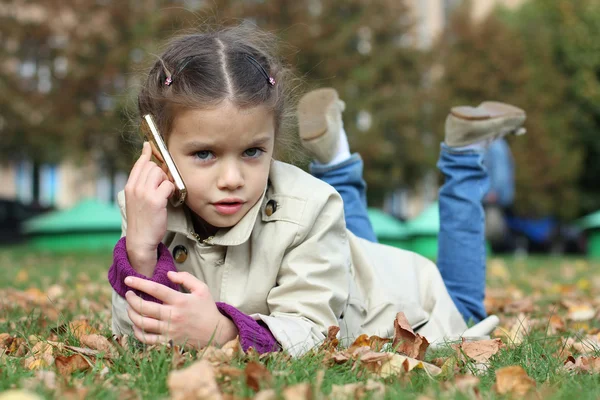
(501, 170)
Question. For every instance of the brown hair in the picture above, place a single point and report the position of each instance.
(210, 67)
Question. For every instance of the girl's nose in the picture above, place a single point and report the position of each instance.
(230, 177)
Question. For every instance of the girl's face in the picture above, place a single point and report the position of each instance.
(224, 157)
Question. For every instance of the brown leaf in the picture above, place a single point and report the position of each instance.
(331, 342)
(301, 391)
(361, 341)
(406, 341)
(268, 394)
(81, 327)
(588, 344)
(67, 365)
(14, 346)
(195, 382)
(583, 364)
(41, 355)
(466, 384)
(393, 364)
(179, 357)
(45, 378)
(520, 306)
(556, 324)
(100, 343)
(257, 376)
(371, 389)
(480, 351)
(376, 343)
(513, 380)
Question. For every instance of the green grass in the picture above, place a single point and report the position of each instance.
(142, 373)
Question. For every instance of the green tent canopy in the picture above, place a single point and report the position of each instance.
(89, 225)
(591, 225)
(423, 231)
(388, 229)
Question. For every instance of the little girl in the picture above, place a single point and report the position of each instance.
(260, 247)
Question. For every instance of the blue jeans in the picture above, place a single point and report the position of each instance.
(461, 240)
(347, 178)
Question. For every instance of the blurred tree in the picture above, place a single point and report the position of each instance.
(66, 74)
(487, 60)
(571, 34)
(366, 50)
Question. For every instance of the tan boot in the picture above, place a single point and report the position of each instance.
(320, 121)
(490, 120)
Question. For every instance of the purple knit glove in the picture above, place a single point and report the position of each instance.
(252, 334)
(121, 269)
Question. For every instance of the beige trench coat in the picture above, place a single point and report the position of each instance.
(299, 270)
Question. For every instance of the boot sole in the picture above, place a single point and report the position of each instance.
(485, 111)
(312, 109)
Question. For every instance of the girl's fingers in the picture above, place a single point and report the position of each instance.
(142, 180)
(155, 177)
(140, 163)
(148, 338)
(166, 189)
(145, 308)
(145, 324)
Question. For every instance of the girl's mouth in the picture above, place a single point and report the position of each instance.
(228, 207)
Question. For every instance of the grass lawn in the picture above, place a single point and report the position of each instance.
(51, 305)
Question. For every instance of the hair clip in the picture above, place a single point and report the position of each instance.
(183, 64)
(263, 71)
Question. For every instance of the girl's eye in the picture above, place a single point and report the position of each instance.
(204, 155)
(253, 152)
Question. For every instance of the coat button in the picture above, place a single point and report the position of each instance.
(180, 253)
(271, 207)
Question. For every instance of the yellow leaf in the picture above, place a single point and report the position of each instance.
(581, 312)
(513, 380)
(22, 276)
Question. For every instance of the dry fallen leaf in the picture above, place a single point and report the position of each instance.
(100, 343)
(268, 394)
(257, 376)
(42, 377)
(301, 391)
(331, 342)
(480, 351)
(81, 327)
(67, 365)
(587, 344)
(581, 312)
(13, 346)
(583, 364)
(466, 384)
(196, 382)
(41, 355)
(406, 341)
(371, 389)
(393, 364)
(556, 324)
(513, 380)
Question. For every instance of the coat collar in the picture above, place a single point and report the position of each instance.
(179, 220)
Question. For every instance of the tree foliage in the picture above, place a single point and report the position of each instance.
(488, 60)
(365, 50)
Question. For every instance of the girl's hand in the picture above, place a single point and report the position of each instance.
(184, 318)
(146, 194)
